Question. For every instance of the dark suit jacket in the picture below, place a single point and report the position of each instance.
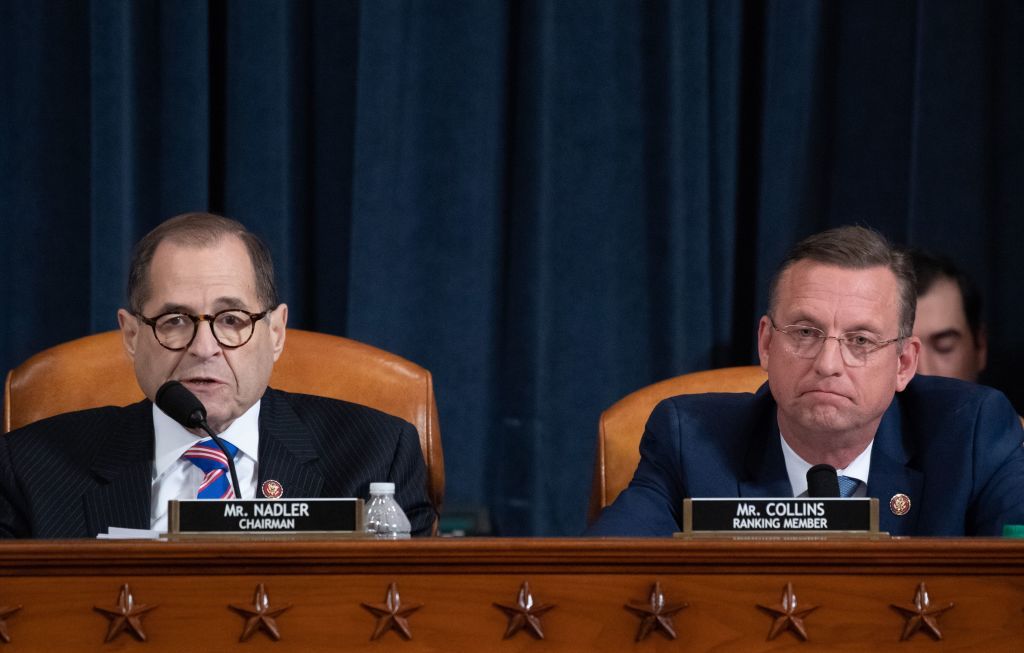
(77, 474)
(954, 448)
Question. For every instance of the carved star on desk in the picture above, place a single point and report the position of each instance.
(127, 616)
(391, 614)
(921, 615)
(524, 614)
(259, 615)
(655, 614)
(787, 615)
(4, 613)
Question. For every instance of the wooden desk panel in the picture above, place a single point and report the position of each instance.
(458, 581)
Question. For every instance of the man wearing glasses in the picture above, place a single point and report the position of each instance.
(203, 310)
(943, 457)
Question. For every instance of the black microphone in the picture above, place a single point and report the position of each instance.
(822, 482)
(183, 407)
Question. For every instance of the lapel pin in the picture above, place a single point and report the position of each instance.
(899, 504)
(272, 489)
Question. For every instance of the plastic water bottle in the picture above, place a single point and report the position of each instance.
(383, 514)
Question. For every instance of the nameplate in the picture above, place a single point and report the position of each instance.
(263, 516)
(784, 515)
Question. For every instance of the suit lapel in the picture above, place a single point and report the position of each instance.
(764, 466)
(890, 474)
(288, 453)
(124, 469)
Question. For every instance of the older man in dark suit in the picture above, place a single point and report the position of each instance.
(944, 457)
(77, 474)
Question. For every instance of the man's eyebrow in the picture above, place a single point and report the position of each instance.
(863, 326)
(800, 316)
(946, 333)
(222, 303)
(174, 308)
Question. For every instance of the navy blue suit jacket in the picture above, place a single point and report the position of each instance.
(77, 474)
(954, 448)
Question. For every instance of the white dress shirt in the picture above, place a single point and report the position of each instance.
(797, 468)
(177, 478)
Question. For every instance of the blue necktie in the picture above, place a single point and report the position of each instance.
(208, 457)
(847, 486)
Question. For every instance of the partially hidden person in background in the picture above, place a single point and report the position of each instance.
(949, 322)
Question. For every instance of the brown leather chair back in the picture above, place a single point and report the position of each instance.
(94, 371)
(622, 425)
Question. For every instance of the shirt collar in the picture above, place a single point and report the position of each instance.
(796, 467)
(172, 439)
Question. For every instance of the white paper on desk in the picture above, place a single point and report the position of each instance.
(118, 533)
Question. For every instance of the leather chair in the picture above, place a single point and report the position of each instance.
(94, 371)
(622, 425)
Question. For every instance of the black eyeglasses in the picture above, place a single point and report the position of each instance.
(231, 328)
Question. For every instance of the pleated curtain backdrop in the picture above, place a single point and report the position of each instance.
(546, 203)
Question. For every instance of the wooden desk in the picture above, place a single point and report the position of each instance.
(191, 585)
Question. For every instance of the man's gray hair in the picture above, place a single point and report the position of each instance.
(200, 230)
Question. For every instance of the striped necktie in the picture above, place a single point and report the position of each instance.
(847, 486)
(208, 457)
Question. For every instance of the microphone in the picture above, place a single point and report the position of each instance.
(183, 407)
(822, 482)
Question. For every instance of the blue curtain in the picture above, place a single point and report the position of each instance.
(547, 203)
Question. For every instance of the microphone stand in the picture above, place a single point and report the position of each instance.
(220, 445)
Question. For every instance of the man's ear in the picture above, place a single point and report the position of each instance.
(981, 348)
(906, 363)
(764, 339)
(278, 329)
(130, 327)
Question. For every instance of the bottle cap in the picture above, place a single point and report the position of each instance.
(382, 488)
